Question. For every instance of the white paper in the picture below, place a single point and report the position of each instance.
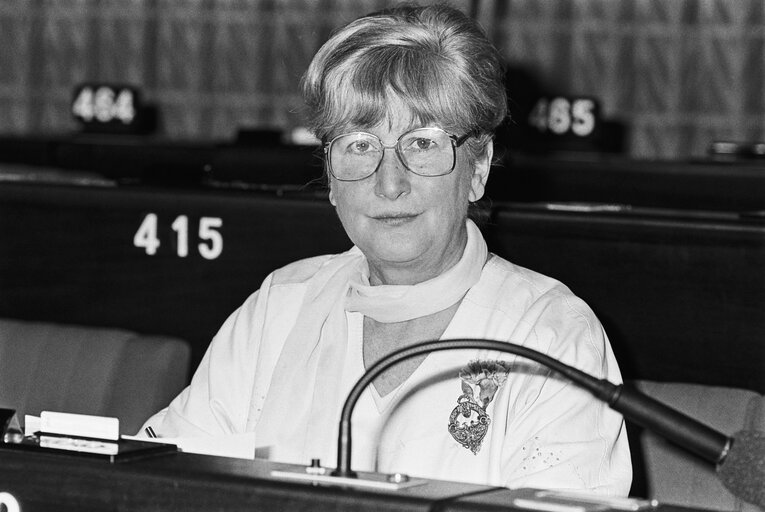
(80, 425)
(240, 446)
(31, 424)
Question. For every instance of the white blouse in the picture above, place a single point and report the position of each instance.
(543, 431)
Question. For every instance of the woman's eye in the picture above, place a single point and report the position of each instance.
(423, 144)
(360, 146)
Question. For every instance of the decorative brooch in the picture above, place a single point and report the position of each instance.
(469, 422)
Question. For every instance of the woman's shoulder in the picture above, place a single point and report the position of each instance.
(510, 275)
(507, 286)
(300, 271)
(538, 311)
(279, 297)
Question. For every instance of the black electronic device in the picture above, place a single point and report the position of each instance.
(74, 434)
(121, 450)
(10, 429)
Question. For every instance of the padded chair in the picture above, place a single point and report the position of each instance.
(670, 474)
(87, 370)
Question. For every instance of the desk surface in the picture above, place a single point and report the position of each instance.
(195, 482)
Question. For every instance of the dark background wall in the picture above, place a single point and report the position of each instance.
(679, 73)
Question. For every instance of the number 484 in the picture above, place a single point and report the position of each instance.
(209, 247)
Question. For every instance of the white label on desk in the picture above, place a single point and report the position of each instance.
(31, 424)
(80, 425)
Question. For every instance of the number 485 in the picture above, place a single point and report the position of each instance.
(210, 246)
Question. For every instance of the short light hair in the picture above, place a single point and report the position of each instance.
(436, 59)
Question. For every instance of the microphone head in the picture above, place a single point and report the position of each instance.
(743, 470)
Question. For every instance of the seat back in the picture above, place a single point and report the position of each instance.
(87, 370)
(672, 475)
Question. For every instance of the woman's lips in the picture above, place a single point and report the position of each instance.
(395, 219)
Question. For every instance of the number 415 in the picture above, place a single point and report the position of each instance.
(210, 246)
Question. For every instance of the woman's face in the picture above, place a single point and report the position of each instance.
(411, 228)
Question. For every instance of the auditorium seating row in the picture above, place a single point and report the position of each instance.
(46, 366)
(680, 293)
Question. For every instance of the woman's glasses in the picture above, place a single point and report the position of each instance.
(424, 151)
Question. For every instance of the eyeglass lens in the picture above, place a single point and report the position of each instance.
(425, 151)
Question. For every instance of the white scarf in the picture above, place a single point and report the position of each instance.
(296, 413)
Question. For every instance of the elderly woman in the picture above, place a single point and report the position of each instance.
(406, 102)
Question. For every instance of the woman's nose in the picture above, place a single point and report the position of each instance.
(392, 177)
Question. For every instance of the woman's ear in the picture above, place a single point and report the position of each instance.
(332, 194)
(481, 173)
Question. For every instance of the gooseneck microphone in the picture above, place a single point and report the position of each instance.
(740, 460)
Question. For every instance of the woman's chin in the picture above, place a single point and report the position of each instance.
(397, 254)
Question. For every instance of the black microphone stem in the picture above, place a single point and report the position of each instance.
(671, 424)
(641, 409)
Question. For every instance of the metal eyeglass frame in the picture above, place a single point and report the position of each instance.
(456, 142)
